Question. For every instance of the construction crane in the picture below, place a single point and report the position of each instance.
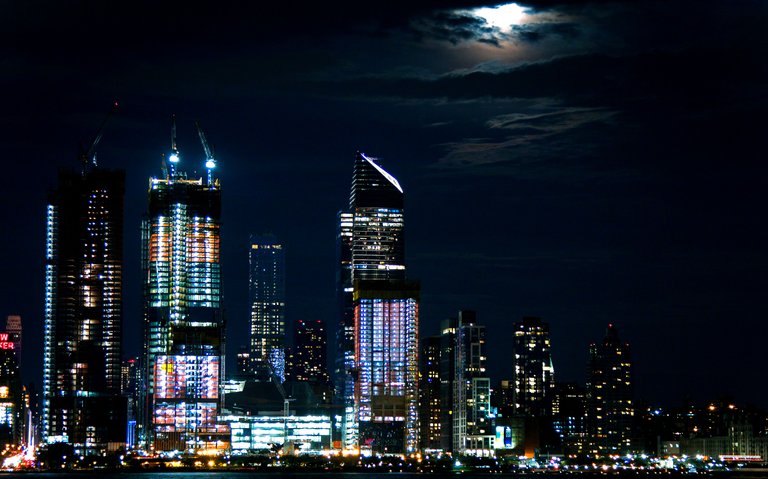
(88, 157)
(210, 163)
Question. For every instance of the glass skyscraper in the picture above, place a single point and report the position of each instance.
(83, 309)
(184, 336)
(378, 330)
(267, 299)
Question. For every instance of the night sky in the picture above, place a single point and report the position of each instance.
(588, 162)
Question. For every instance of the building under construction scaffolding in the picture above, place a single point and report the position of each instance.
(182, 311)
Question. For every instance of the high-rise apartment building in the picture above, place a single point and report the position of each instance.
(267, 300)
(83, 310)
(184, 328)
(609, 394)
(371, 262)
(533, 373)
(467, 420)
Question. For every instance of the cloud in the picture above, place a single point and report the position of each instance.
(526, 144)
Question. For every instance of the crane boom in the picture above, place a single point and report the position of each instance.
(204, 141)
(89, 156)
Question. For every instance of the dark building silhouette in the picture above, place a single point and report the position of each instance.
(83, 310)
(569, 416)
(609, 394)
(244, 362)
(13, 326)
(429, 394)
(309, 359)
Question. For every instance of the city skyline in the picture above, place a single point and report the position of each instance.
(630, 193)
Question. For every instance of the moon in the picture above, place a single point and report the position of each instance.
(502, 16)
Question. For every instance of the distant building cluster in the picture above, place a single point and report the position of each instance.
(391, 390)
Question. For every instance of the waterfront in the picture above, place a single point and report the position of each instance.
(744, 473)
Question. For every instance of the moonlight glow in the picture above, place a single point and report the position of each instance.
(501, 16)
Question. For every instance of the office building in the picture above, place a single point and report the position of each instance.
(609, 394)
(184, 340)
(83, 310)
(371, 248)
(267, 300)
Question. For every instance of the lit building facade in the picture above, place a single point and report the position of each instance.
(306, 433)
(184, 339)
(371, 248)
(533, 373)
(83, 310)
(609, 394)
(386, 365)
(267, 299)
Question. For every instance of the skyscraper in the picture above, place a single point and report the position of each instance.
(267, 299)
(184, 339)
(609, 394)
(371, 262)
(83, 309)
(533, 373)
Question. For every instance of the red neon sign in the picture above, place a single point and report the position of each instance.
(4, 343)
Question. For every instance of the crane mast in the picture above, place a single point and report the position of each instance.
(210, 162)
